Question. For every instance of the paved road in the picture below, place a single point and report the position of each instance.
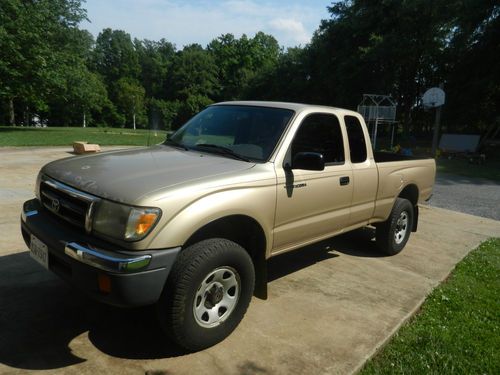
(330, 307)
(475, 196)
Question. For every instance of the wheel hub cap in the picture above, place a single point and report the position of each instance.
(401, 227)
(216, 297)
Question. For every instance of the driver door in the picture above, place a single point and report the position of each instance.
(313, 204)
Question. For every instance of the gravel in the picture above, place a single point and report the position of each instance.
(475, 196)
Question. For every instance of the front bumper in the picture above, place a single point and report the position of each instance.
(131, 278)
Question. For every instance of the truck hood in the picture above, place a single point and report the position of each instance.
(127, 175)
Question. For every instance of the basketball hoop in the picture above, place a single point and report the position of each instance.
(433, 98)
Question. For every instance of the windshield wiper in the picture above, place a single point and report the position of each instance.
(173, 143)
(222, 150)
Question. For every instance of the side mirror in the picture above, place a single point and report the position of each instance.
(311, 161)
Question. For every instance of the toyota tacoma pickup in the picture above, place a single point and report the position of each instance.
(188, 225)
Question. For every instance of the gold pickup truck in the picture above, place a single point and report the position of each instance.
(188, 225)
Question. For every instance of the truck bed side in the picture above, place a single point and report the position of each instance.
(397, 173)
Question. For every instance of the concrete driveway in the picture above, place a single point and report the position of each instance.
(330, 307)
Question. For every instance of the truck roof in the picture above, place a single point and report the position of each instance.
(297, 107)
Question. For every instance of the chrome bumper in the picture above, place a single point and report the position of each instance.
(136, 277)
(92, 256)
(28, 210)
(113, 263)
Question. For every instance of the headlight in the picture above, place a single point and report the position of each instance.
(124, 222)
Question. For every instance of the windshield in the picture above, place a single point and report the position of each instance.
(249, 132)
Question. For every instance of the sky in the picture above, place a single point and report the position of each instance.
(291, 22)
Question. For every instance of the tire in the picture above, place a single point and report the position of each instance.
(393, 234)
(207, 293)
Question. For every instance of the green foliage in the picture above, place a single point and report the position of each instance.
(162, 113)
(155, 59)
(189, 107)
(115, 57)
(457, 329)
(193, 73)
(130, 96)
(473, 84)
(52, 69)
(240, 61)
(404, 47)
(33, 36)
(109, 116)
(79, 92)
(192, 82)
(288, 80)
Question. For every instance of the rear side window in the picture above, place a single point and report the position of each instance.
(357, 144)
(320, 132)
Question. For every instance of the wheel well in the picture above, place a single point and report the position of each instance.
(410, 192)
(247, 233)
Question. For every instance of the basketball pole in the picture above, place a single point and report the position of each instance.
(437, 122)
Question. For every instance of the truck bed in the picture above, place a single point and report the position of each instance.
(384, 157)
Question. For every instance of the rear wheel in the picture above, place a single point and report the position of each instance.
(207, 293)
(393, 234)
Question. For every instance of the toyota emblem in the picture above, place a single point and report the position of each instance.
(55, 205)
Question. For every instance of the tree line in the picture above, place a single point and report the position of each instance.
(52, 69)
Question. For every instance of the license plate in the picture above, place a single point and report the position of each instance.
(39, 252)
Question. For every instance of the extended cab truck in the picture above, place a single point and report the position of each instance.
(188, 225)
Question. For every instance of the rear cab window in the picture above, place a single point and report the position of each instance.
(356, 137)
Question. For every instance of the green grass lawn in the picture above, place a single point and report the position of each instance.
(25, 136)
(461, 167)
(457, 330)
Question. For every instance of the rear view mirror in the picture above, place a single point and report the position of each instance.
(311, 161)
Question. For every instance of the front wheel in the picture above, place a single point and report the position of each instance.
(393, 234)
(207, 293)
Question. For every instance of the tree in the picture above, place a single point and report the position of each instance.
(130, 101)
(287, 80)
(192, 81)
(155, 59)
(115, 56)
(31, 36)
(75, 93)
(381, 47)
(49, 67)
(81, 95)
(240, 61)
(403, 48)
(473, 77)
(163, 113)
(193, 73)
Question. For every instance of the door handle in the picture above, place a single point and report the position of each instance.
(344, 180)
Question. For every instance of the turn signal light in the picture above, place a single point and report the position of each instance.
(145, 222)
(104, 282)
(140, 222)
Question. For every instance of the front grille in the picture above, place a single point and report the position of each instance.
(67, 203)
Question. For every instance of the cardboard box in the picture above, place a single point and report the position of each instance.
(84, 147)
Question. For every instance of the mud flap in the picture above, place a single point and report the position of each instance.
(415, 218)
(260, 290)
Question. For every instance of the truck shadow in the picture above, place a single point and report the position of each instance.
(42, 319)
(44, 323)
(358, 243)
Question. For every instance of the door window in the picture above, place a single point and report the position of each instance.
(320, 132)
